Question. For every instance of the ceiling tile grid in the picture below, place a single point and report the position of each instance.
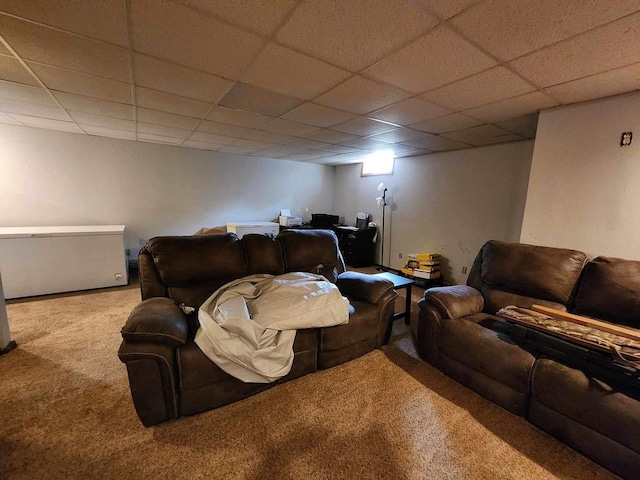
(311, 81)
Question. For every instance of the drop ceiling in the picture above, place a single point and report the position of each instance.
(324, 81)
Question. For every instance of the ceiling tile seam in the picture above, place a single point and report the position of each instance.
(37, 79)
(61, 30)
(488, 53)
(66, 69)
(246, 69)
(132, 71)
(11, 116)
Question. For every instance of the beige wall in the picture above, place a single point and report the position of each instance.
(449, 203)
(584, 189)
(58, 178)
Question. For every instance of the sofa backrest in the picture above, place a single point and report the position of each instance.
(189, 269)
(520, 274)
(610, 290)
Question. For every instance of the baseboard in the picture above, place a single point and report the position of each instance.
(12, 344)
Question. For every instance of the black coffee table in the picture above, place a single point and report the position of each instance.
(399, 282)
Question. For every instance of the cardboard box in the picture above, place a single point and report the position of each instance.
(243, 228)
(287, 220)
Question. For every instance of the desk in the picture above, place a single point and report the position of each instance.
(398, 284)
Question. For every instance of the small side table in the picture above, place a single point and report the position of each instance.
(399, 283)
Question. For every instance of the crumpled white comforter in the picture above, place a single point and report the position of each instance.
(248, 326)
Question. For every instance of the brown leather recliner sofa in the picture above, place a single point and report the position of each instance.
(169, 375)
(458, 333)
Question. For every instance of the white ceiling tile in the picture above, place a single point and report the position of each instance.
(82, 84)
(33, 109)
(288, 127)
(244, 13)
(47, 123)
(524, 126)
(167, 119)
(354, 34)
(25, 93)
(162, 130)
(6, 119)
(510, 28)
(168, 102)
(317, 115)
(184, 36)
(282, 150)
(5, 51)
(97, 106)
(45, 45)
(259, 100)
(436, 143)
(613, 82)
(438, 58)
(283, 70)
(270, 137)
(405, 151)
(447, 8)
(212, 138)
(611, 46)
(331, 136)
(252, 145)
(108, 132)
(13, 71)
(339, 149)
(482, 135)
(364, 126)
(303, 157)
(399, 135)
(102, 121)
(368, 143)
(201, 145)
(103, 19)
(237, 117)
(512, 108)
(449, 123)
(224, 129)
(150, 137)
(487, 87)
(410, 111)
(360, 95)
(169, 77)
(310, 144)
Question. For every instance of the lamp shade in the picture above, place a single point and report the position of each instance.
(381, 187)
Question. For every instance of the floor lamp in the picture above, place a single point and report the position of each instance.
(382, 202)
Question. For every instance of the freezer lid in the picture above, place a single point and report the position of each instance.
(61, 231)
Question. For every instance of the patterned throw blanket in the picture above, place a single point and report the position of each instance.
(622, 348)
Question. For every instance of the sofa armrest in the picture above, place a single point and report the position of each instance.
(455, 301)
(156, 320)
(361, 286)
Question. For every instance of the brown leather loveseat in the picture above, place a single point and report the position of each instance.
(169, 375)
(459, 334)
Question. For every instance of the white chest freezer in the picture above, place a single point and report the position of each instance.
(43, 260)
(242, 228)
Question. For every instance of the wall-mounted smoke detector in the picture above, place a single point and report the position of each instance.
(625, 139)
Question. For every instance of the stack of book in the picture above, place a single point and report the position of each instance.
(423, 265)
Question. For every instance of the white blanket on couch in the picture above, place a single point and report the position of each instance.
(248, 326)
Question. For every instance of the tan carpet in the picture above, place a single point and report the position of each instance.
(65, 412)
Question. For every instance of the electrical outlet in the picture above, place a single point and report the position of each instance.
(400, 255)
(464, 270)
(118, 277)
(625, 139)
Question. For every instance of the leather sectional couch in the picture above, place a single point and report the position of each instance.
(458, 333)
(168, 374)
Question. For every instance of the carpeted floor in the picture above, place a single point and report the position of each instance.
(66, 412)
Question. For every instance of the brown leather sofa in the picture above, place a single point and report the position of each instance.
(169, 375)
(458, 333)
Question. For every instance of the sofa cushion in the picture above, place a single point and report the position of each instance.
(538, 272)
(312, 251)
(610, 290)
(187, 260)
(587, 401)
(263, 254)
(363, 325)
(486, 350)
(495, 299)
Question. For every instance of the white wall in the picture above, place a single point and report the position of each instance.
(584, 189)
(450, 203)
(59, 178)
